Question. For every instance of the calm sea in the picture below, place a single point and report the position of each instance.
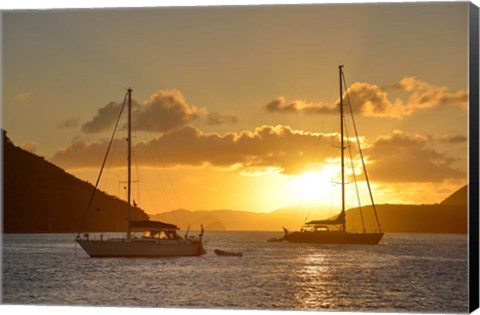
(404, 273)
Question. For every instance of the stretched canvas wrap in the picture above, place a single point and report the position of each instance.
(300, 157)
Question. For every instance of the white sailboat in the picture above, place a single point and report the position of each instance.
(160, 239)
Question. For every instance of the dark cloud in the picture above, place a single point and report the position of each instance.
(400, 157)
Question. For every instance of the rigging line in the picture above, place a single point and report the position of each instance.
(176, 197)
(141, 179)
(171, 185)
(110, 164)
(103, 165)
(160, 181)
(157, 175)
(355, 179)
(361, 155)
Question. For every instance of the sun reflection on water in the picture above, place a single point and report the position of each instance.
(315, 281)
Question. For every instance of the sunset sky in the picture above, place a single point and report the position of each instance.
(237, 107)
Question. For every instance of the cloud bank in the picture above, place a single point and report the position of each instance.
(396, 157)
(278, 147)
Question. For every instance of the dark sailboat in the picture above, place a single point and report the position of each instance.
(333, 231)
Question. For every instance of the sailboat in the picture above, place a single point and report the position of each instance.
(159, 239)
(334, 231)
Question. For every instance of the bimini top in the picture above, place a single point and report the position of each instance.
(153, 225)
(338, 220)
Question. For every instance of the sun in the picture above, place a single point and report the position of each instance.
(313, 187)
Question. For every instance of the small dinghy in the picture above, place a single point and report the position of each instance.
(219, 252)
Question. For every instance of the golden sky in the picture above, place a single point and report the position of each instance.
(237, 107)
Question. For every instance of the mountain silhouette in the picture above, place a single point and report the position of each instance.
(458, 198)
(40, 197)
(436, 218)
(449, 216)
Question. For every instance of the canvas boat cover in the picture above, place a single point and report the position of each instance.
(338, 220)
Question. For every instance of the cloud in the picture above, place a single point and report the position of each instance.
(104, 120)
(23, 96)
(365, 98)
(215, 118)
(424, 95)
(278, 148)
(90, 154)
(401, 157)
(30, 146)
(374, 101)
(280, 105)
(68, 123)
(163, 111)
(452, 139)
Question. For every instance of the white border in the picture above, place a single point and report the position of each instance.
(72, 4)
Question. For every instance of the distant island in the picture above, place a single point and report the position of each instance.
(40, 197)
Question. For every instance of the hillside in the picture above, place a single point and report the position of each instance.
(438, 218)
(458, 198)
(450, 216)
(41, 197)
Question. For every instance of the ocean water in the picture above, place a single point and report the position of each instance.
(404, 273)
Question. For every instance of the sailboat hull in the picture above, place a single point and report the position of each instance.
(330, 237)
(140, 248)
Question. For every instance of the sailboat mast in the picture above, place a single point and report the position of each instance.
(342, 148)
(129, 158)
